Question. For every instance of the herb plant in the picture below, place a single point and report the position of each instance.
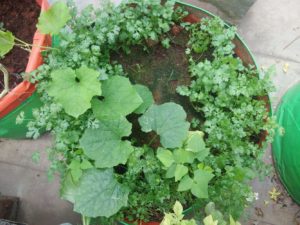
(106, 171)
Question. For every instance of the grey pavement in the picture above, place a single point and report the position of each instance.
(271, 28)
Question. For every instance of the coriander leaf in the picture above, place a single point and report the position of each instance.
(180, 171)
(147, 97)
(167, 120)
(7, 42)
(120, 99)
(55, 18)
(99, 194)
(105, 145)
(165, 156)
(200, 185)
(74, 89)
(185, 184)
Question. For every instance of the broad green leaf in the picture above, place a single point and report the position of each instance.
(75, 169)
(202, 154)
(183, 156)
(180, 171)
(167, 120)
(147, 97)
(209, 220)
(99, 194)
(165, 156)
(68, 188)
(178, 209)
(105, 145)
(85, 164)
(195, 142)
(120, 99)
(7, 42)
(185, 183)
(171, 171)
(74, 89)
(55, 18)
(200, 185)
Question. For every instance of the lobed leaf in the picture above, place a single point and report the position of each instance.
(105, 145)
(120, 99)
(100, 194)
(7, 42)
(55, 18)
(74, 90)
(167, 120)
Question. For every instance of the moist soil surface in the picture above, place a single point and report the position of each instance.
(20, 18)
(162, 70)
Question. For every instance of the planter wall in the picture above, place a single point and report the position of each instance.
(22, 97)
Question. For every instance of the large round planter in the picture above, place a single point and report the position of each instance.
(285, 147)
(23, 97)
(242, 51)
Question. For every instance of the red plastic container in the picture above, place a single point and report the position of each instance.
(25, 89)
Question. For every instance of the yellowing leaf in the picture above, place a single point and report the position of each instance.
(274, 194)
(210, 221)
(285, 67)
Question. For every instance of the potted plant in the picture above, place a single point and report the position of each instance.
(149, 104)
(17, 95)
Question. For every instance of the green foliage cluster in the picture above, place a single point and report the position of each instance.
(105, 172)
(228, 92)
(214, 217)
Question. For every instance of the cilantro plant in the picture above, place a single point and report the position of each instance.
(94, 111)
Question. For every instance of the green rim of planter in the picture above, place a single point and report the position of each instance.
(8, 126)
(188, 210)
(285, 148)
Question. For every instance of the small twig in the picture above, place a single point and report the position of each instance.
(6, 84)
(289, 44)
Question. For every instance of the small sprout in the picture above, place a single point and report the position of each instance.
(285, 67)
(266, 202)
(166, 43)
(274, 193)
(36, 157)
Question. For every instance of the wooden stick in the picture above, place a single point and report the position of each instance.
(6, 81)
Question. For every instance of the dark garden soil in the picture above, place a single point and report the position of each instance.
(20, 18)
(162, 71)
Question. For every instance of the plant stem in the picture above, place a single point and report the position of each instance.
(152, 139)
(85, 220)
(6, 84)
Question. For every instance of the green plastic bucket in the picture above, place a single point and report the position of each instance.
(286, 145)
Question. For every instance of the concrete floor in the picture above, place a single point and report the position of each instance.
(272, 31)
